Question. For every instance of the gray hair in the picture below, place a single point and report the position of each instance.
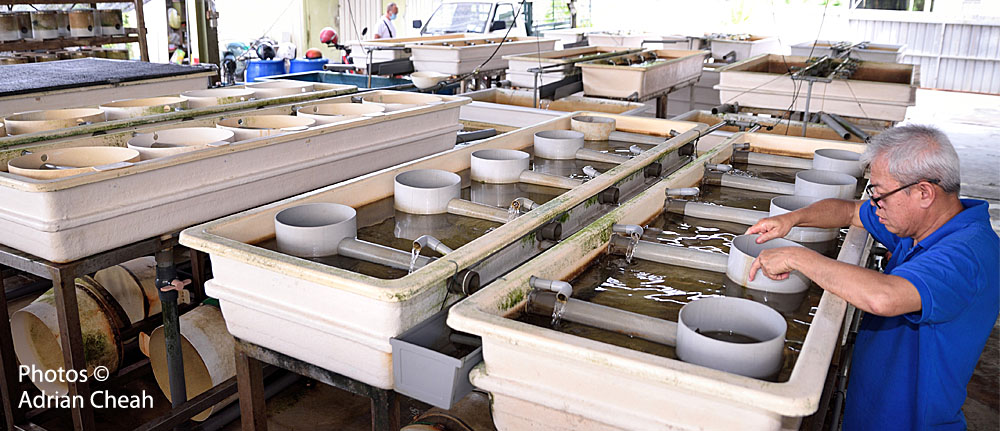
(917, 152)
(391, 5)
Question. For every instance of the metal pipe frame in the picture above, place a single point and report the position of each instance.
(249, 374)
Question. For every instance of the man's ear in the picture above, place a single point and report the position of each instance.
(928, 194)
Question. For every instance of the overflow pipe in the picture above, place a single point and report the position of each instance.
(380, 254)
(762, 159)
(715, 212)
(466, 208)
(746, 183)
(549, 180)
(672, 255)
(607, 318)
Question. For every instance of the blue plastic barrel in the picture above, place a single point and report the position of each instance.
(261, 68)
(306, 64)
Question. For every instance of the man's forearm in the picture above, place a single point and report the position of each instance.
(869, 290)
(827, 213)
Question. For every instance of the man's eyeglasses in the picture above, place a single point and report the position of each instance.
(875, 200)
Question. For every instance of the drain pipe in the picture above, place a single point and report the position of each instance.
(590, 171)
(763, 159)
(380, 254)
(466, 208)
(851, 127)
(608, 318)
(833, 124)
(726, 108)
(714, 212)
(628, 229)
(671, 255)
(168, 291)
(548, 180)
(589, 155)
(432, 243)
(561, 289)
(746, 183)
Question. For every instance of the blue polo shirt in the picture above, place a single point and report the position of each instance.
(909, 372)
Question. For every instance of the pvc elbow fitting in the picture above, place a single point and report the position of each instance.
(526, 204)
(562, 289)
(433, 243)
(627, 229)
(590, 171)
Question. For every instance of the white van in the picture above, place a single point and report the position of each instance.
(487, 17)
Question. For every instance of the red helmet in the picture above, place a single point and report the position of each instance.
(328, 35)
(314, 53)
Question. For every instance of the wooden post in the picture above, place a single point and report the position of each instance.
(141, 28)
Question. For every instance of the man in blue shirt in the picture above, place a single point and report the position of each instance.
(929, 314)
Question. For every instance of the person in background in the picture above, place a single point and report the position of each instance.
(385, 28)
(928, 315)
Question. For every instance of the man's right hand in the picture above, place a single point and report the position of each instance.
(772, 227)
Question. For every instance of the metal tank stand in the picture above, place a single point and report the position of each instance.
(63, 277)
(250, 359)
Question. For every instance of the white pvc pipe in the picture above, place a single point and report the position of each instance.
(785, 204)
(732, 315)
(825, 184)
(314, 229)
(741, 256)
(673, 255)
(636, 138)
(432, 243)
(755, 184)
(589, 155)
(557, 144)
(466, 208)
(715, 212)
(426, 191)
(830, 159)
(537, 178)
(498, 166)
(607, 318)
(763, 159)
(380, 254)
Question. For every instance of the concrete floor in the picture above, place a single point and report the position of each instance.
(966, 118)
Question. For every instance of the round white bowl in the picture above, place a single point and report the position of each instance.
(741, 255)
(336, 112)
(163, 143)
(397, 101)
(558, 144)
(732, 315)
(269, 89)
(498, 166)
(40, 121)
(594, 128)
(132, 108)
(78, 160)
(314, 230)
(256, 126)
(825, 184)
(830, 159)
(216, 96)
(426, 191)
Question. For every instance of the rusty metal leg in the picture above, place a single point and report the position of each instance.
(385, 410)
(9, 387)
(71, 339)
(250, 378)
(198, 273)
(661, 106)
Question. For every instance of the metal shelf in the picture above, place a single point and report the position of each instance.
(139, 37)
(27, 45)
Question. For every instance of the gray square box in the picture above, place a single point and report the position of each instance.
(422, 370)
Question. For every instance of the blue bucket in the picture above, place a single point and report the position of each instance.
(261, 68)
(306, 64)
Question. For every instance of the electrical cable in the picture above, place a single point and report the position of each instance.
(499, 45)
(798, 87)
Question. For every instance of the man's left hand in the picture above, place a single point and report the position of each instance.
(777, 263)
